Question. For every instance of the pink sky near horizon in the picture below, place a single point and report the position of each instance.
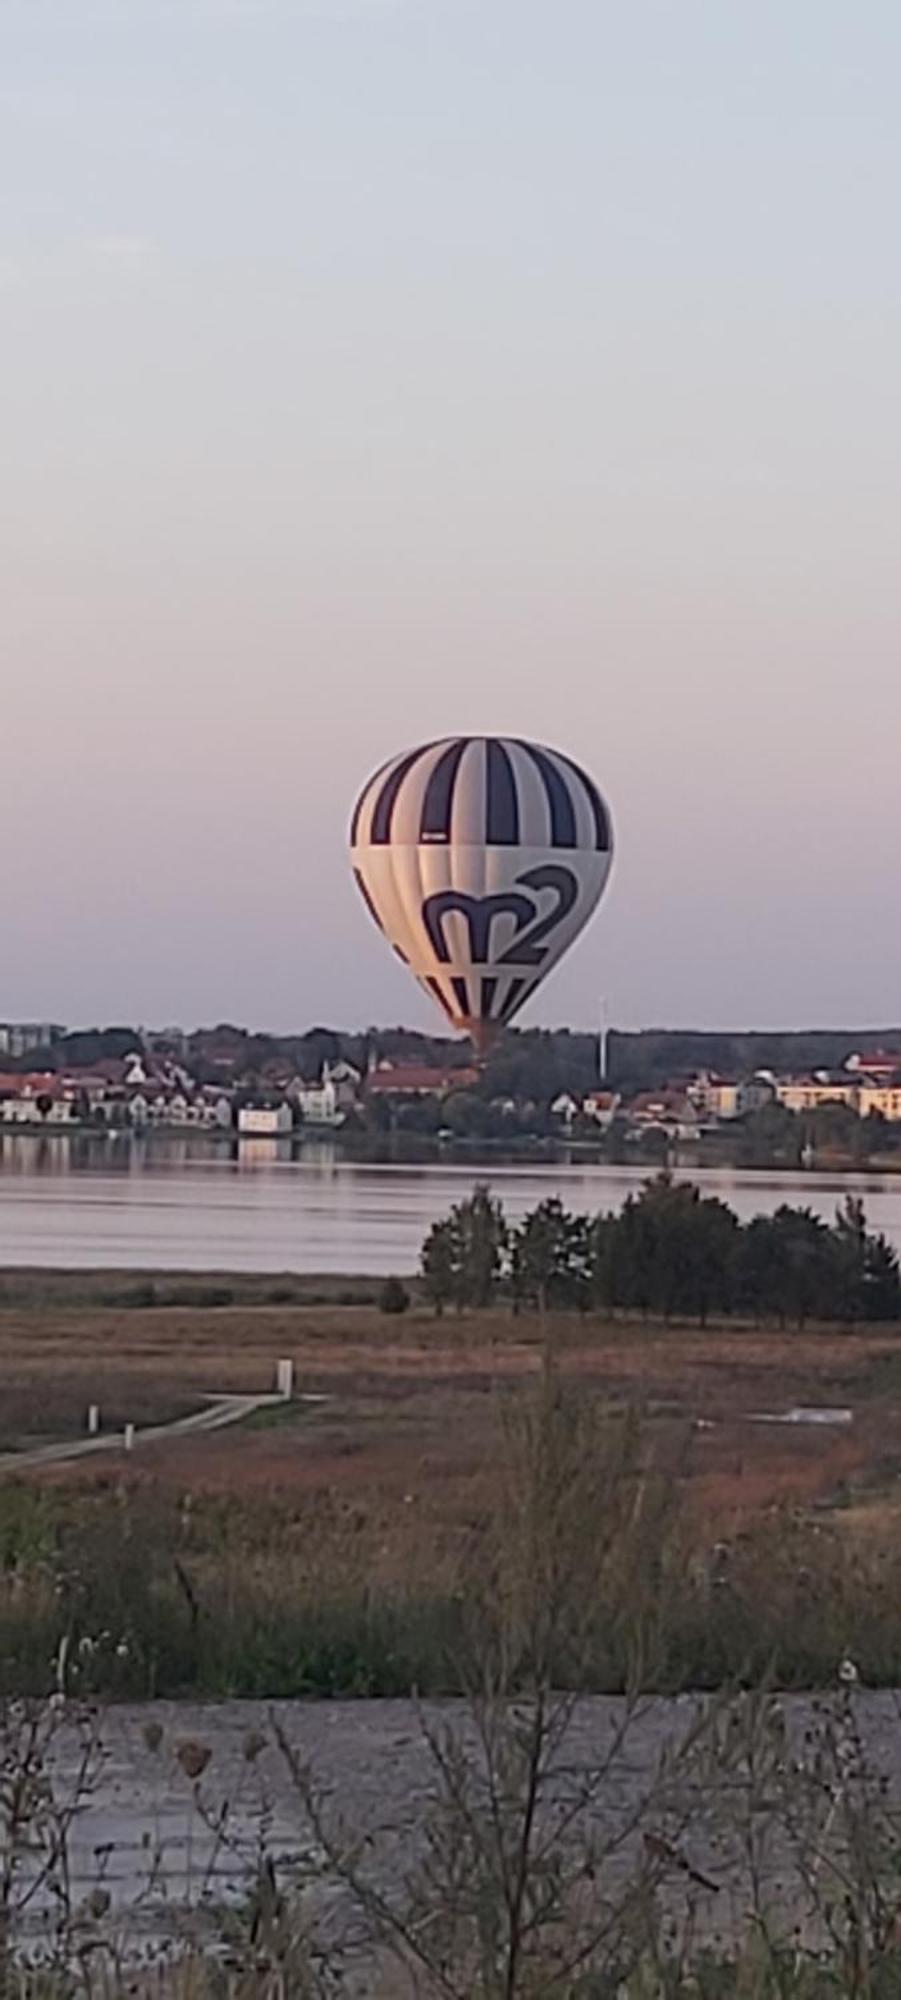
(378, 371)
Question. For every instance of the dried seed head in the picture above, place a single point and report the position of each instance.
(193, 1757)
(153, 1734)
(254, 1742)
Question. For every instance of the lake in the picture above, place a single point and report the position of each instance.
(181, 1204)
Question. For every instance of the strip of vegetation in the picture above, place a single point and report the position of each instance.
(141, 1290)
(539, 1860)
(670, 1251)
(146, 1594)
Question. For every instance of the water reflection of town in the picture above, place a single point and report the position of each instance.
(61, 1153)
(252, 1154)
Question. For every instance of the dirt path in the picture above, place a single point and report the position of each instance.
(215, 1414)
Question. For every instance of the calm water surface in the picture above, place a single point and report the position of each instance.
(182, 1205)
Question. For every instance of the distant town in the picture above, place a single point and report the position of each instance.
(633, 1097)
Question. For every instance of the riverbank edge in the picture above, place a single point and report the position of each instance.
(416, 1149)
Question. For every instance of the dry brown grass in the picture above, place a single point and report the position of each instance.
(413, 1403)
(367, 1506)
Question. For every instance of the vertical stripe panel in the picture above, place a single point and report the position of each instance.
(562, 811)
(361, 824)
(486, 999)
(435, 820)
(531, 799)
(468, 815)
(461, 995)
(436, 989)
(383, 813)
(585, 800)
(512, 998)
(599, 813)
(407, 818)
(502, 805)
(364, 892)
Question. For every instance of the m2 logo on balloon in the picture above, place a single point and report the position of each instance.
(528, 946)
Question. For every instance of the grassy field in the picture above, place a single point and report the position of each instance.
(329, 1545)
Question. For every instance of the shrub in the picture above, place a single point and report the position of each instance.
(393, 1297)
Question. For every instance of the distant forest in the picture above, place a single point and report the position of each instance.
(534, 1063)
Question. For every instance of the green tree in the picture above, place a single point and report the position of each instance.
(881, 1286)
(770, 1134)
(866, 1267)
(466, 1115)
(603, 1241)
(849, 1246)
(708, 1248)
(808, 1263)
(670, 1251)
(393, 1297)
(440, 1265)
(761, 1288)
(551, 1258)
(790, 1266)
(463, 1256)
(673, 1251)
(483, 1237)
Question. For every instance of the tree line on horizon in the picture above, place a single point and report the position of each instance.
(528, 1063)
(671, 1252)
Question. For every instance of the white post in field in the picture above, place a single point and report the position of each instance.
(128, 1437)
(284, 1379)
(93, 1419)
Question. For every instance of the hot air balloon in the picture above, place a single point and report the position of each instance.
(481, 858)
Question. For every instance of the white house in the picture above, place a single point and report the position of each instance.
(346, 1080)
(668, 1110)
(39, 1107)
(158, 1104)
(881, 1097)
(809, 1093)
(720, 1097)
(602, 1106)
(265, 1121)
(318, 1103)
(216, 1107)
(328, 1101)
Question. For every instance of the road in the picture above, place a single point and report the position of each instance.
(217, 1412)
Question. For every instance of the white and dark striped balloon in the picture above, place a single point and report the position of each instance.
(481, 858)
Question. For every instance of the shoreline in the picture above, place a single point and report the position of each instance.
(363, 1149)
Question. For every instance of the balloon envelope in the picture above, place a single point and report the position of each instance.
(480, 859)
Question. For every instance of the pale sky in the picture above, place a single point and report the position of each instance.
(379, 369)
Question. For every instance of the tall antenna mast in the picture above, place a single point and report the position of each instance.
(602, 1044)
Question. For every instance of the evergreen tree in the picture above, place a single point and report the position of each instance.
(482, 1235)
(675, 1252)
(849, 1258)
(440, 1263)
(603, 1239)
(670, 1251)
(462, 1257)
(881, 1286)
(551, 1258)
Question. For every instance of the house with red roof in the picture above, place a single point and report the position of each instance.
(417, 1080)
